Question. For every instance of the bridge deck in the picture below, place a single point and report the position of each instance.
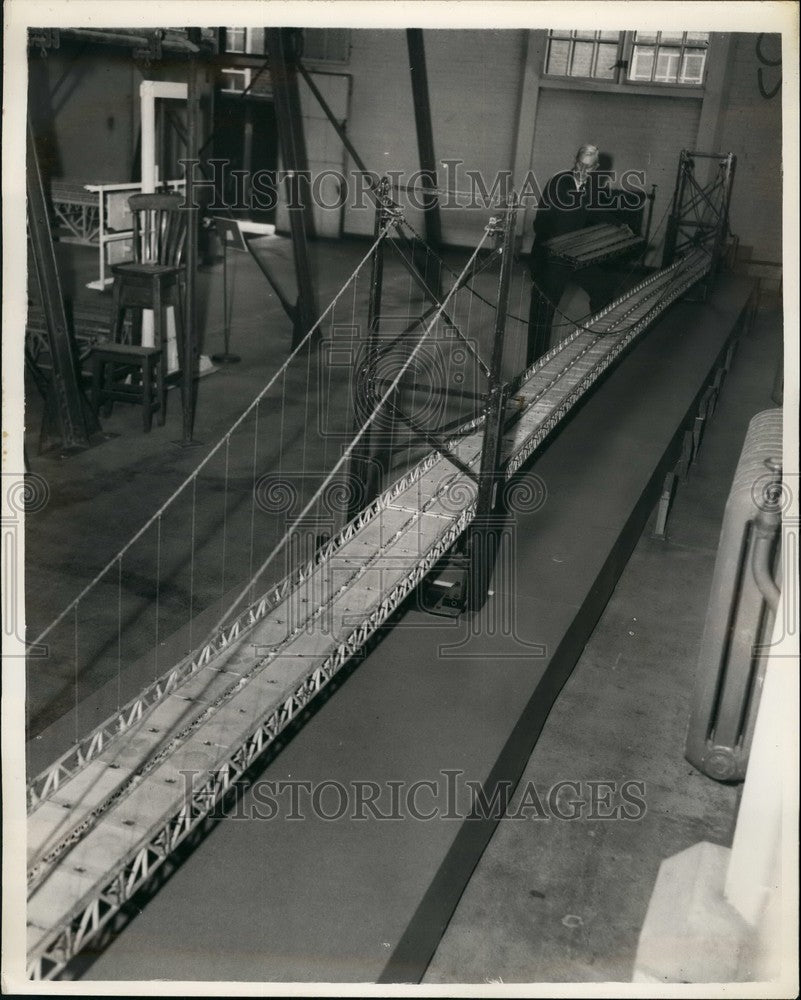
(101, 831)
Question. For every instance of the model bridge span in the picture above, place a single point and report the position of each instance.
(108, 813)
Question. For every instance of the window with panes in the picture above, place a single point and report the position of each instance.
(235, 39)
(234, 80)
(646, 57)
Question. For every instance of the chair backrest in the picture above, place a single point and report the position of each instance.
(159, 228)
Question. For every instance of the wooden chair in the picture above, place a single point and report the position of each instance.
(154, 280)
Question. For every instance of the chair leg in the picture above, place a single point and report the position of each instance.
(161, 335)
(136, 325)
(180, 336)
(117, 312)
(156, 298)
(180, 330)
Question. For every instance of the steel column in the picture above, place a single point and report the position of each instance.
(66, 402)
(425, 137)
(283, 71)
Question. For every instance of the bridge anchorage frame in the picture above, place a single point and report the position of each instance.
(699, 215)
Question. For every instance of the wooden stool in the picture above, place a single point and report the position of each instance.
(155, 278)
(113, 363)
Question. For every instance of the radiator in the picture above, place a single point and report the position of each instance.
(741, 609)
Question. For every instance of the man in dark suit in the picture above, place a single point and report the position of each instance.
(572, 200)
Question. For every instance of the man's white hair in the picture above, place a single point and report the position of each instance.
(588, 150)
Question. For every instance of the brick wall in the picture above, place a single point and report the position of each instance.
(473, 78)
(381, 123)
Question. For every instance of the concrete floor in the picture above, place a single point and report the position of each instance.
(562, 912)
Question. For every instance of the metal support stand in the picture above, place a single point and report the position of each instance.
(663, 508)
(283, 72)
(481, 541)
(364, 465)
(226, 357)
(67, 412)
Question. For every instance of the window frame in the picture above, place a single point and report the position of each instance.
(228, 30)
(244, 71)
(327, 60)
(569, 35)
(621, 81)
(628, 56)
(251, 49)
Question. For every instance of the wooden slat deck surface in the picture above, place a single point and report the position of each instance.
(593, 243)
(109, 811)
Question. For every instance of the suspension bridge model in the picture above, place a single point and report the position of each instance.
(118, 802)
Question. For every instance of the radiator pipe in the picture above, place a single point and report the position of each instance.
(766, 527)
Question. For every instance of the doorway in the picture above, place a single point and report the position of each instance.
(246, 137)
